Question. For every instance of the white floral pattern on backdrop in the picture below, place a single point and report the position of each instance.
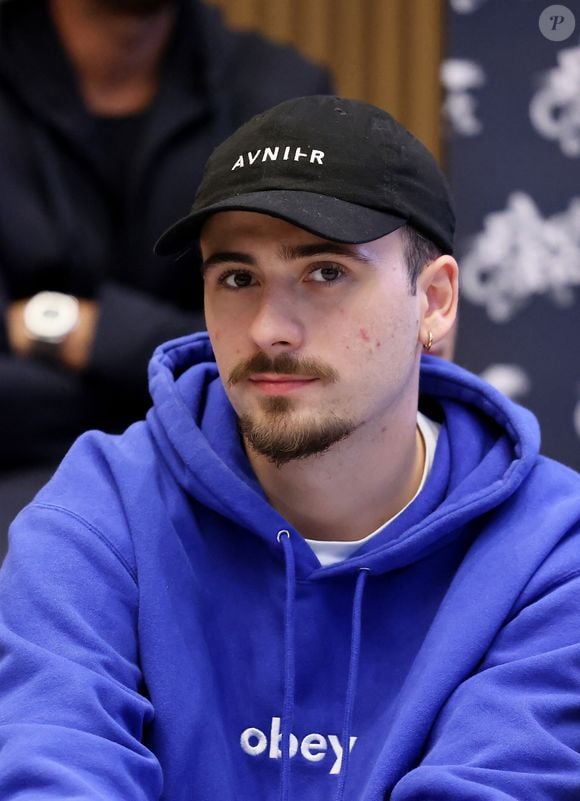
(512, 114)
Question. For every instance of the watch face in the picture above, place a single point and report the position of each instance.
(50, 316)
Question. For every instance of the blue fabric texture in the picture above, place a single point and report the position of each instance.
(166, 635)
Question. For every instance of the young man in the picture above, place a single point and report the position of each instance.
(109, 110)
(324, 567)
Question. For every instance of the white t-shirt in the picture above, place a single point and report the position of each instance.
(330, 552)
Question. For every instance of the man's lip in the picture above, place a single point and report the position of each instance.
(280, 384)
(278, 378)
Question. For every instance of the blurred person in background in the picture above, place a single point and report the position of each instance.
(108, 111)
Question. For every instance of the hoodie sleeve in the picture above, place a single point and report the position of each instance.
(511, 731)
(72, 711)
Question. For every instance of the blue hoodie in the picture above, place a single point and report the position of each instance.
(165, 632)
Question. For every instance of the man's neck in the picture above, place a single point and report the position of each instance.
(352, 489)
(117, 57)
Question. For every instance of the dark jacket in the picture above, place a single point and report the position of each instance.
(77, 218)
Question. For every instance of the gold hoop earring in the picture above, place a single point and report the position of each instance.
(429, 344)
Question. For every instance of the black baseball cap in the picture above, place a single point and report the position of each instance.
(342, 169)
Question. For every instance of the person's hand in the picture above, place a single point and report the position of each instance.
(73, 352)
(14, 321)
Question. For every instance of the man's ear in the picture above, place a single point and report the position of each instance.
(438, 288)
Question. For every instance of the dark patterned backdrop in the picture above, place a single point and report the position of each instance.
(512, 109)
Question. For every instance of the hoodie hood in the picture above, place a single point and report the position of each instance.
(486, 448)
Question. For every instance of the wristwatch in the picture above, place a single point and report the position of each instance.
(48, 318)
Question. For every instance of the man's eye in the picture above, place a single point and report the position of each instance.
(327, 274)
(236, 279)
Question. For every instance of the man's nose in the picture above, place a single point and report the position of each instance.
(277, 324)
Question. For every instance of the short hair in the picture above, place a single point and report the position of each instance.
(418, 251)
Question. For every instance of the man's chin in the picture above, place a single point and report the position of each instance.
(281, 443)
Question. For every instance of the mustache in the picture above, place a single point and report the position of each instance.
(282, 364)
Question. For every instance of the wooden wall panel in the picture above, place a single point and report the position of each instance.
(386, 52)
(386, 58)
(347, 52)
(313, 29)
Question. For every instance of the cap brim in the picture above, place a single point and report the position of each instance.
(322, 215)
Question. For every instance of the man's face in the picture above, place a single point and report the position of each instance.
(315, 341)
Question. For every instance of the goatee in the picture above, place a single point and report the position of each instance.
(282, 439)
(282, 436)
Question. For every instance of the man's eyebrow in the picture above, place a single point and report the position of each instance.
(323, 248)
(290, 253)
(227, 257)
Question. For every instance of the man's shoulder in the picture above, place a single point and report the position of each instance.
(101, 486)
(252, 50)
(257, 67)
(99, 462)
(556, 480)
(548, 511)
(545, 512)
